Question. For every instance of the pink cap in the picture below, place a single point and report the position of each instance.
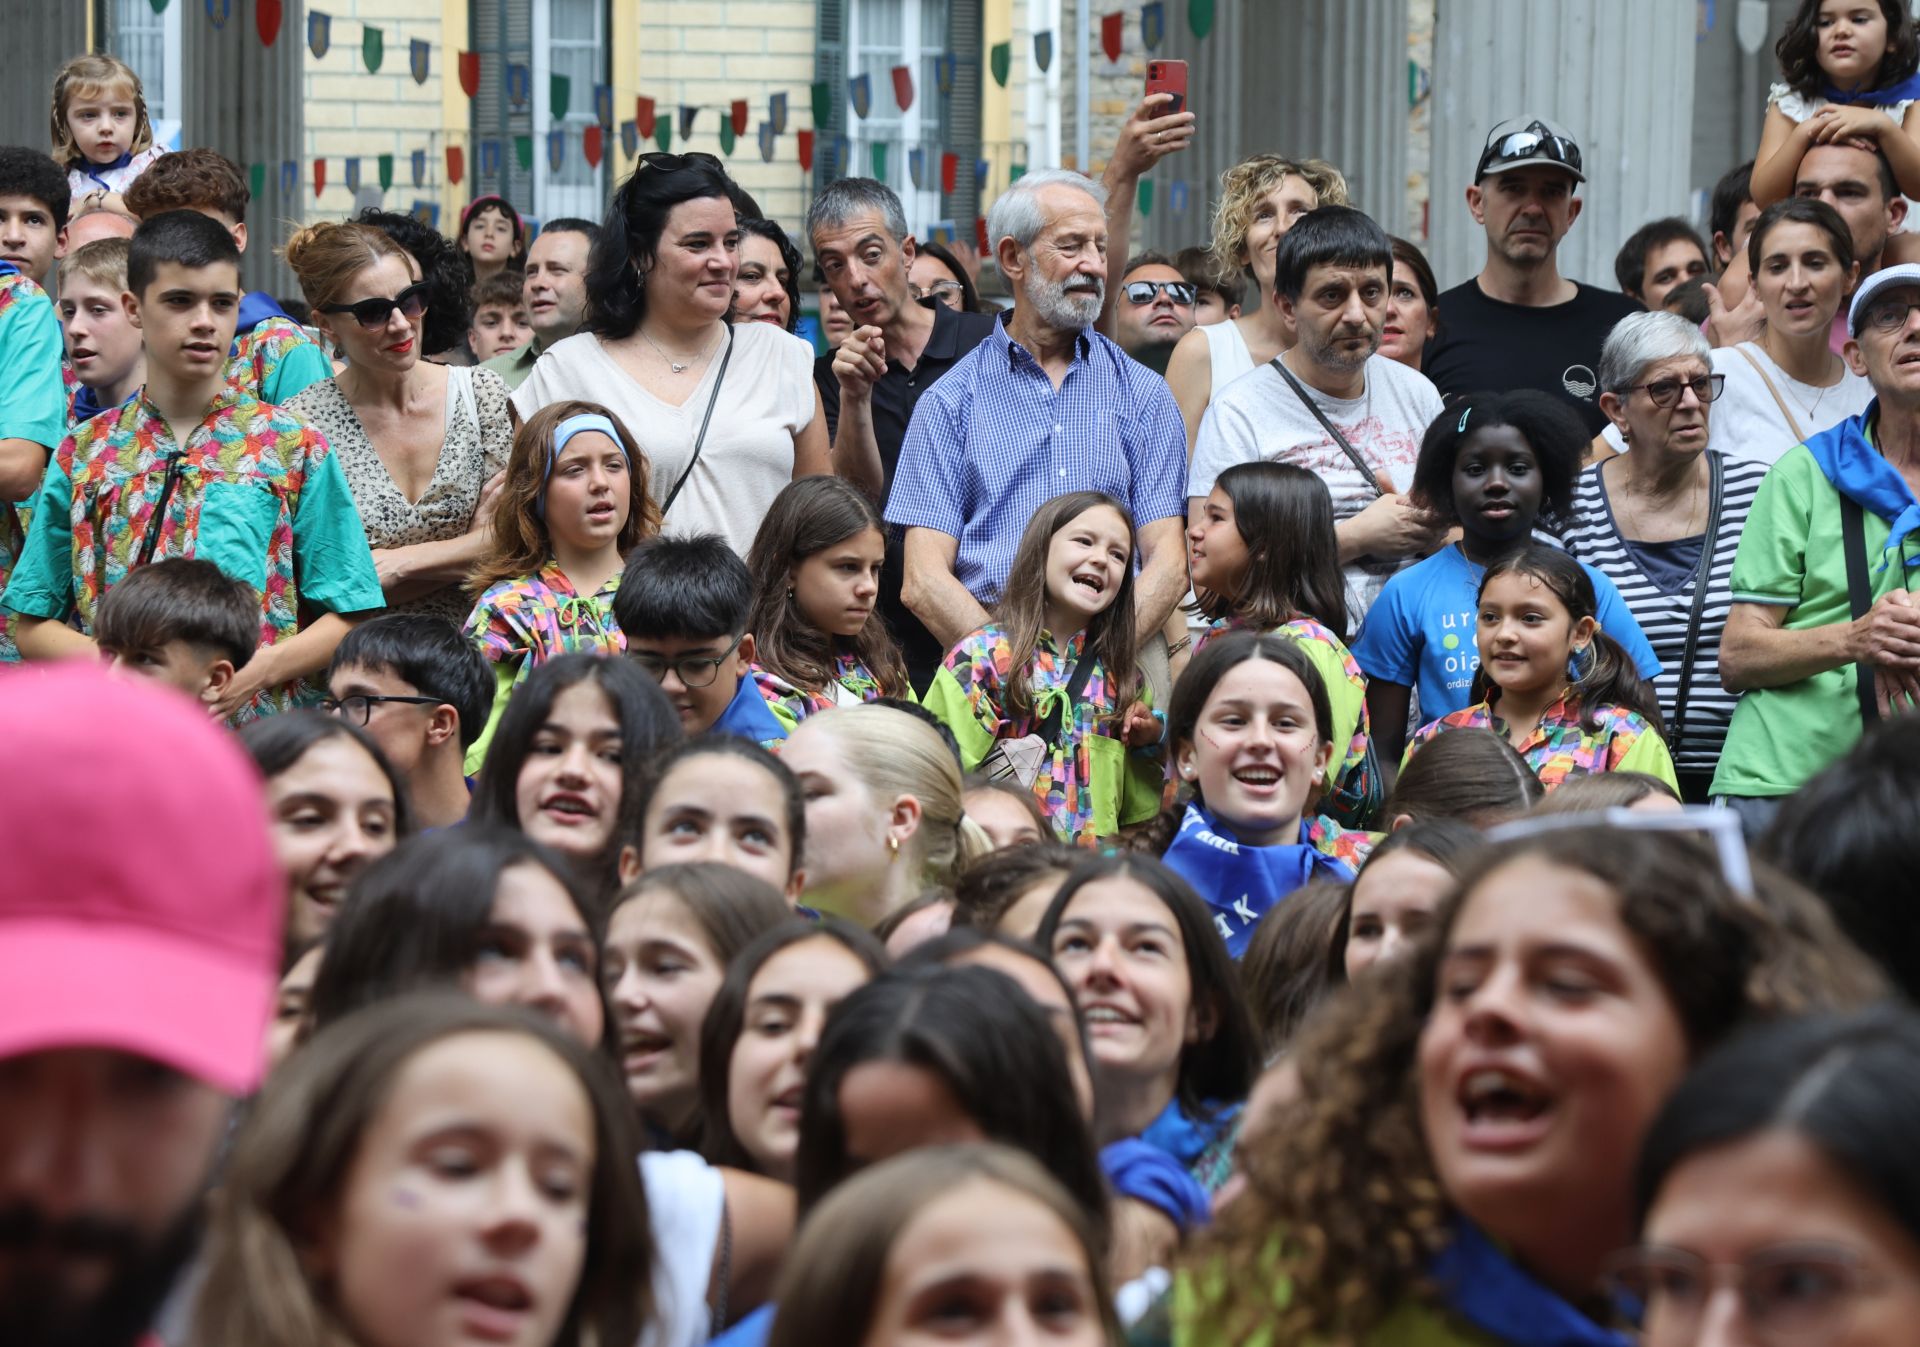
(140, 902)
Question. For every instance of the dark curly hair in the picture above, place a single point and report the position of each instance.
(789, 258)
(1799, 49)
(442, 266)
(630, 237)
(1551, 430)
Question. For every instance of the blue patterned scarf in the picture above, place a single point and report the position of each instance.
(1487, 1289)
(1899, 92)
(1240, 883)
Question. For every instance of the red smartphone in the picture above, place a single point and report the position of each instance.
(1168, 77)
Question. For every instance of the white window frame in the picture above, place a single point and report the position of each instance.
(165, 109)
(922, 207)
(552, 200)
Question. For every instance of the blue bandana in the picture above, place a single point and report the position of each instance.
(1859, 472)
(1143, 1171)
(1900, 92)
(1485, 1287)
(95, 170)
(1241, 883)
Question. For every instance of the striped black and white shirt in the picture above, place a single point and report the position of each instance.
(1662, 609)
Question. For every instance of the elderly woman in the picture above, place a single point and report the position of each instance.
(1662, 522)
(420, 443)
(726, 413)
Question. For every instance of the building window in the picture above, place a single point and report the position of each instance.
(150, 43)
(574, 43)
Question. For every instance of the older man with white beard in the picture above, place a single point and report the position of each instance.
(1043, 406)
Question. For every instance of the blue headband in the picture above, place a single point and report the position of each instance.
(566, 430)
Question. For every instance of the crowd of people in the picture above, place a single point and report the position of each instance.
(1239, 798)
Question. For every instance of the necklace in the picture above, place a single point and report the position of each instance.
(677, 366)
(1813, 412)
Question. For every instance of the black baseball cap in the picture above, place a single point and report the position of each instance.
(1521, 141)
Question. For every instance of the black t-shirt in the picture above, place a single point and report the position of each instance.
(894, 398)
(1486, 344)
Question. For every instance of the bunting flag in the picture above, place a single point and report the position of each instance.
(519, 84)
(470, 72)
(556, 148)
(319, 176)
(289, 176)
(427, 213)
(878, 155)
(982, 170)
(860, 90)
(766, 142)
(777, 113)
(266, 20)
(917, 168)
(806, 151)
(257, 179)
(456, 164)
(603, 104)
(373, 48)
(943, 72)
(1043, 50)
(1015, 173)
(662, 133)
(1200, 17)
(629, 138)
(523, 152)
(319, 34)
(218, 12)
(903, 86)
(1146, 197)
(980, 235)
(383, 169)
(417, 52)
(842, 156)
(1112, 34)
(726, 136)
(1153, 24)
(1000, 60)
(159, 6)
(559, 97)
(949, 171)
(352, 174)
(687, 113)
(942, 234)
(489, 159)
(593, 144)
(643, 115)
(1177, 196)
(822, 103)
(739, 116)
(417, 161)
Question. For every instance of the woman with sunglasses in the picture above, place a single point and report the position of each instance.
(422, 444)
(725, 413)
(1663, 522)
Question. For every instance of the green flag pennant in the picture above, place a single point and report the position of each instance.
(1015, 173)
(559, 95)
(523, 151)
(1146, 197)
(1000, 59)
(663, 134)
(1200, 17)
(879, 158)
(726, 135)
(373, 48)
(822, 103)
(257, 178)
(384, 165)
(159, 6)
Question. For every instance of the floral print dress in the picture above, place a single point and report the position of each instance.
(1561, 746)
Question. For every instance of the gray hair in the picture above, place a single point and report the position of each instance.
(1640, 339)
(1016, 212)
(847, 198)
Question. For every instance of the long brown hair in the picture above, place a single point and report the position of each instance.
(1284, 515)
(521, 544)
(1343, 1204)
(809, 516)
(1022, 609)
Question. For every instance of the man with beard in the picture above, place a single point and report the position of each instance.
(1043, 406)
(1332, 405)
(139, 942)
(1155, 309)
(1520, 323)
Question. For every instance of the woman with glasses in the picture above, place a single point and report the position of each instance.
(1779, 1200)
(726, 414)
(1663, 521)
(937, 274)
(420, 443)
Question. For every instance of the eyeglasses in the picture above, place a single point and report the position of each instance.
(1720, 828)
(693, 671)
(1792, 1295)
(939, 290)
(1666, 392)
(1144, 292)
(1533, 144)
(1889, 315)
(358, 709)
(372, 314)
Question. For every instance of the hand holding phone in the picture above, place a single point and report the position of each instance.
(1168, 77)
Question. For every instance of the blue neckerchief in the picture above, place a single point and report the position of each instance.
(749, 716)
(1146, 1173)
(8, 268)
(94, 170)
(86, 404)
(1186, 1139)
(1862, 474)
(1487, 1289)
(256, 306)
(1901, 92)
(1242, 883)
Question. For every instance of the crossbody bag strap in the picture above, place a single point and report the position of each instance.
(1703, 574)
(1367, 474)
(1793, 422)
(700, 439)
(1076, 684)
(1853, 537)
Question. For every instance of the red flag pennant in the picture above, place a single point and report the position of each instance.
(591, 144)
(806, 151)
(643, 117)
(456, 162)
(739, 116)
(949, 171)
(980, 234)
(470, 73)
(903, 86)
(319, 176)
(266, 19)
(1112, 33)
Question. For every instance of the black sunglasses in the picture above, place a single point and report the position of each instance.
(1529, 144)
(1144, 292)
(372, 314)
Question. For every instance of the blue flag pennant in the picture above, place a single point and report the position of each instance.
(519, 84)
(630, 138)
(218, 12)
(417, 52)
(917, 167)
(777, 113)
(766, 141)
(943, 72)
(860, 90)
(687, 113)
(1153, 24)
(1043, 50)
(982, 170)
(490, 158)
(352, 174)
(319, 33)
(556, 148)
(1177, 196)
(289, 175)
(419, 160)
(603, 104)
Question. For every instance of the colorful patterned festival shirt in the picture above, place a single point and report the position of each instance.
(275, 360)
(32, 400)
(853, 684)
(532, 618)
(1560, 746)
(254, 490)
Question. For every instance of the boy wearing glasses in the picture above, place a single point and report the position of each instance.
(683, 605)
(423, 691)
(181, 622)
(1154, 310)
(195, 466)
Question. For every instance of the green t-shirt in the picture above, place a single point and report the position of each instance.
(1790, 557)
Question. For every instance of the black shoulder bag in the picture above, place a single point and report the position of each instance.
(700, 439)
(1703, 574)
(1853, 537)
(1371, 477)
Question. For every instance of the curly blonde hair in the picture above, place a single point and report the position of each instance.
(1344, 1210)
(95, 73)
(1243, 186)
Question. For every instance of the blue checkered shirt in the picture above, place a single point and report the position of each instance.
(993, 441)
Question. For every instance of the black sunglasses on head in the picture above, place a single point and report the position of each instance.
(670, 162)
(372, 314)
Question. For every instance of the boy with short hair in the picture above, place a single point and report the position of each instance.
(193, 466)
(273, 358)
(423, 691)
(183, 622)
(103, 345)
(500, 324)
(682, 605)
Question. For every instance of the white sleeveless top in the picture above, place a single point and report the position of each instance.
(1227, 355)
(1798, 107)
